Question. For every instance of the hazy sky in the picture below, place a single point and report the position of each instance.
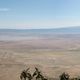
(39, 13)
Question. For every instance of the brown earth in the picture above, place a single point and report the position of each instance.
(51, 56)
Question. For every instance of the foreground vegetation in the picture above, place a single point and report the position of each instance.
(25, 74)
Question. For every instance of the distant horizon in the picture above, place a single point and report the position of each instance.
(46, 28)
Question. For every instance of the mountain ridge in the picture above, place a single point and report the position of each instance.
(50, 30)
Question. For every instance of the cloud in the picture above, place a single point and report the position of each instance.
(4, 9)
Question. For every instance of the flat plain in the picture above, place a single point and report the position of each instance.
(52, 55)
